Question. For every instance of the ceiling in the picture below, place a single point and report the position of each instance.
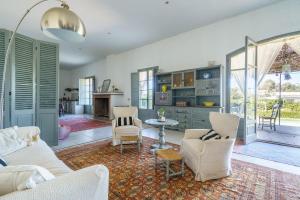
(114, 26)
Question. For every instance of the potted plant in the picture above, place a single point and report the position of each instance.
(161, 114)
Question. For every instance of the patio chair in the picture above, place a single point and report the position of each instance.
(269, 120)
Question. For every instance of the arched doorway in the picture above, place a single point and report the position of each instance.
(248, 68)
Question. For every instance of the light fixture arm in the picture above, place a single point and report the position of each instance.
(10, 42)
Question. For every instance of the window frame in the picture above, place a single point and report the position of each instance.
(87, 101)
(147, 70)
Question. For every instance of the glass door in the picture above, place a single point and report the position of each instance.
(250, 91)
(188, 79)
(177, 80)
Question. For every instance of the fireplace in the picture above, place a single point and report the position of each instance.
(104, 102)
(101, 106)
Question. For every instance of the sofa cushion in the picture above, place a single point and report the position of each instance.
(127, 130)
(38, 154)
(21, 177)
(10, 142)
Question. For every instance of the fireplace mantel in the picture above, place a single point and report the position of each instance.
(104, 102)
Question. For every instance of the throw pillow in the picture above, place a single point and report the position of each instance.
(211, 134)
(22, 177)
(2, 162)
(124, 121)
(10, 141)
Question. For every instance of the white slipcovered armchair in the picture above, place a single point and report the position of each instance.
(125, 128)
(211, 159)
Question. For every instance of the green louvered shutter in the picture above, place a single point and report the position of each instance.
(23, 93)
(2, 55)
(47, 92)
(135, 89)
(4, 35)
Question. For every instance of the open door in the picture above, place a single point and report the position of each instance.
(250, 92)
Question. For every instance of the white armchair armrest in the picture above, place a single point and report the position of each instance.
(88, 183)
(194, 133)
(221, 151)
(138, 123)
(113, 124)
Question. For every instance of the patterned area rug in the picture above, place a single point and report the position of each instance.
(83, 123)
(134, 176)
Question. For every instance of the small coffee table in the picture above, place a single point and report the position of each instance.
(162, 141)
(168, 156)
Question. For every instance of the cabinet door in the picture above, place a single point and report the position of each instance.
(177, 80)
(189, 79)
(200, 118)
(23, 82)
(47, 91)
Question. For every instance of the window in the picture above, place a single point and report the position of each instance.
(86, 89)
(146, 82)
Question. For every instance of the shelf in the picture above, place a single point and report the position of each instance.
(182, 88)
(210, 107)
(168, 83)
(212, 95)
(184, 96)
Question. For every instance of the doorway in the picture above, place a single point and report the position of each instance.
(264, 79)
(281, 87)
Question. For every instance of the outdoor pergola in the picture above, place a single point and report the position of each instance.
(286, 62)
(287, 55)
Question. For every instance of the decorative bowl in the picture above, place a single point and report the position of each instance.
(208, 103)
(206, 75)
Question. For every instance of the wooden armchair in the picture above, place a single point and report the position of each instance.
(269, 120)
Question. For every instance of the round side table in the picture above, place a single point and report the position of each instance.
(161, 124)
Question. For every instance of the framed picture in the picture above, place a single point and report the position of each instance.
(105, 85)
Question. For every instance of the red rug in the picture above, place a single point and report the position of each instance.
(83, 123)
(134, 176)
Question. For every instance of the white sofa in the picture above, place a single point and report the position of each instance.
(211, 159)
(88, 183)
(122, 130)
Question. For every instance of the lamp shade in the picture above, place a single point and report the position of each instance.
(63, 24)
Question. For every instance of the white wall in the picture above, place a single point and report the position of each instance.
(65, 81)
(97, 69)
(195, 48)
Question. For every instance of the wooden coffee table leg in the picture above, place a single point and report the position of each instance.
(182, 167)
(121, 146)
(167, 169)
(139, 145)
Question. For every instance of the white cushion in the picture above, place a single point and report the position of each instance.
(10, 142)
(21, 177)
(28, 133)
(38, 154)
(125, 111)
(127, 130)
(225, 124)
